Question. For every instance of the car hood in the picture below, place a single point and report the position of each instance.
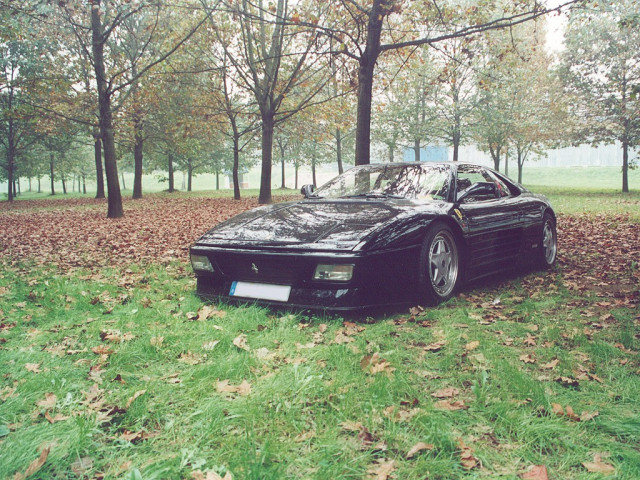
(327, 224)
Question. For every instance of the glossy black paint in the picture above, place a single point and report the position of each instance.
(282, 244)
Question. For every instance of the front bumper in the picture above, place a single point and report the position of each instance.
(381, 279)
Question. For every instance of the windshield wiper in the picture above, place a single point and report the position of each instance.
(374, 195)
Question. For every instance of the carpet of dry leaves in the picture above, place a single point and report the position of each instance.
(599, 253)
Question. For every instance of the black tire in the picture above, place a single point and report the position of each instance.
(440, 264)
(548, 248)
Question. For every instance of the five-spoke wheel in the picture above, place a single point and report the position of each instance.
(549, 246)
(439, 263)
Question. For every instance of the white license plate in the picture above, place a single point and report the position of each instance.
(260, 291)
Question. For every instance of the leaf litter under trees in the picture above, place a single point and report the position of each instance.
(441, 394)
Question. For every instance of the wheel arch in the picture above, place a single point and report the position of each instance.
(460, 238)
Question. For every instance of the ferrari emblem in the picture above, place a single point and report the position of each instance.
(458, 213)
(254, 268)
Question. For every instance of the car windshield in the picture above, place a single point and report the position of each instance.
(419, 181)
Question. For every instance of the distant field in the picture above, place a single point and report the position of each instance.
(604, 179)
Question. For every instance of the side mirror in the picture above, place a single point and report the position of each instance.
(480, 189)
(307, 190)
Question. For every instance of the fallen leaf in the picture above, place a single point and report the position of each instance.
(190, 358)
(58, 418)
(135, 395)
(208, 311)
(374, 364)
(80, 466)
(586, 416)
(210, 475)
(551, 365)
(342, 338)
(102, 350)
(527, 358)
(48, 402)
(34, 466)
(210, 345)
(419, 447)
(382, 470)
(536, 472)
(223, 386)
(435, 347)
(241, 342)
(135, 437)
(469, 347)
(448, 392)
(598, 466)
(568, 382)
(156, 341)
(467, 459)
(33, 367)
(450, 405)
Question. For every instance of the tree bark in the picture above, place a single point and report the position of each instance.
(51, 174)
(625, 166)
(338, 151)
(11, 158)
(97, 152)
(267, 156)
(189, 175)
(170, 171)
(236, 161)
(137, 156)
(124, 186)
(416, 149)
(282, 172)
(365, 84)
(114, 208)
(64, 184)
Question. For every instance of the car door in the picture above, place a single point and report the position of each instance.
(494, 222)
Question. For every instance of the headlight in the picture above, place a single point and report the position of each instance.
(201, 263)
(337, 273)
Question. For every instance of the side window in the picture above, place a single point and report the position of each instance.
(503, 189)
(469, 175)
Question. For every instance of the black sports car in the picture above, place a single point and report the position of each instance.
(377, 235)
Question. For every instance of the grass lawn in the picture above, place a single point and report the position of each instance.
(113, 369)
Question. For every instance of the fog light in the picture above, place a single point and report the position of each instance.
(201, 263)
(337, 273)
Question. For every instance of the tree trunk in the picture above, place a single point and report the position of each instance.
(416, 149)
(218, 180)
(313, 168)
(30, 184)
(84, 184)
(11, 158)
(625, 165)
(39, 186)
(97, 152)
(456, 144)
(170, 171)
(267, 152)
(114, 209)
(296, 175)
(189, 176)
(236, 162)
(365, 84)
(506, 162)
(338, 151)
(51, 175)
(64, 183)
(137, 156)
(124, 185)
(282, 173)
